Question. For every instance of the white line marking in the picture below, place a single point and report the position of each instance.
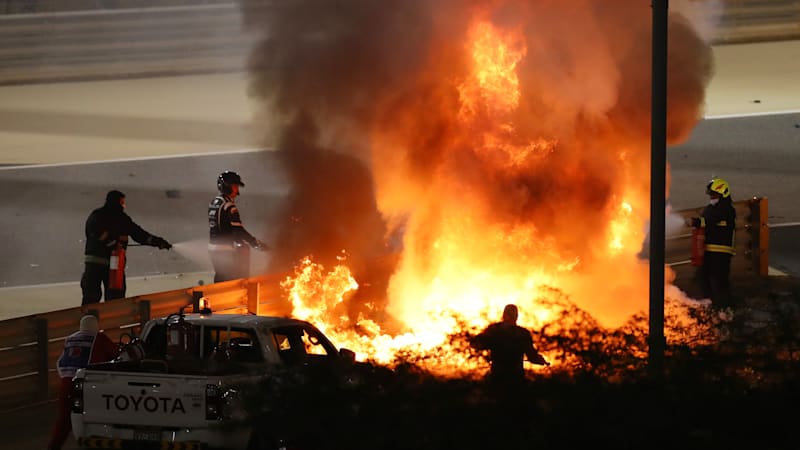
(679, 263)
(186, 275)
(781, 225)
(141, 158)
(775, 272)
(756, 114)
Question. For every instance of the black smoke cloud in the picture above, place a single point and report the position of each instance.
(361, 97)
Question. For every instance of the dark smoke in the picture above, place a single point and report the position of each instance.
(362, 95)
(324, 63)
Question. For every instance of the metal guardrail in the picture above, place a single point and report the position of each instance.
(751, 241)
(70, 40)
(29, 346)
(751, 246)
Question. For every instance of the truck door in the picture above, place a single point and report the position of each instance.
(298, 344)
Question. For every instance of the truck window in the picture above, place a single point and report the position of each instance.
(313, 343)
(155, 346)
(237, 345)
(296, 343)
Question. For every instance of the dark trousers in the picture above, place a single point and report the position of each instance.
(95, 281)
(715, 278)
(62, 425)
(230, 264)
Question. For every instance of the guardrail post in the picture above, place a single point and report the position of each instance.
(144, 312)
(43, 363)
(196, 296)
(253, 288)
(760, 234)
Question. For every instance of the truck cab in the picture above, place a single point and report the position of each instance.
(186, 384)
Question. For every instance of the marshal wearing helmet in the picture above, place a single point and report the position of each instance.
(719, 223)
(229, 242)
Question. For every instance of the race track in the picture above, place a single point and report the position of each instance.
(160, 142)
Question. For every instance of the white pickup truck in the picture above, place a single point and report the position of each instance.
(183, 390)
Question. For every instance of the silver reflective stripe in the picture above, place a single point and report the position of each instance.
(91, 259)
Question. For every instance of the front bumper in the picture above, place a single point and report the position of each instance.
(90, 436)
(125, 444)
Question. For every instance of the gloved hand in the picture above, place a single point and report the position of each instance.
(262, 246)
(161, 243)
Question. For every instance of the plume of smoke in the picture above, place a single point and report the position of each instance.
(364, 94)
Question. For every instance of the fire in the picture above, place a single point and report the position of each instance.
(317, 294)
(618, 228)
(506, 158)
(466, 273)
(494, 82)
(327, 290)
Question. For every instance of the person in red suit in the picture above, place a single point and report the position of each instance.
(86, 346)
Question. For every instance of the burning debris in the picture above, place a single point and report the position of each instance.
(465, 154)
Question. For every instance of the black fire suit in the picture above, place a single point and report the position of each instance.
(227, 238)
(508, 344)
(719, 222)
(106, 227)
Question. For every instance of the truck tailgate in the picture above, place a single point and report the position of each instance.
(144, 399)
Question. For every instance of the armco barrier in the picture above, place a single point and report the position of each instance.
(29, 346)
(751, 240)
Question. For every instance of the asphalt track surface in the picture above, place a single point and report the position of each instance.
(44, 208)
(760, 157)
(47, 206)
(43, 219)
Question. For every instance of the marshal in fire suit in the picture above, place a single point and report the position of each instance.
(108, 229)
(508, 343)
(719, 221)
(229, 242)
(84, 347)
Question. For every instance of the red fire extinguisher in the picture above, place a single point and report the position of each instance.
(181, 342)
(116, 270)
(698, 245)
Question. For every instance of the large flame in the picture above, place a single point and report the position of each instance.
(507, 164)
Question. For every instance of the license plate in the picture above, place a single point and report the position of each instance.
(146, 435)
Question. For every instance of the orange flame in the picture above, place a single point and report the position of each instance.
(474, 240)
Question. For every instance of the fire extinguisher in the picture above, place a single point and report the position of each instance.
(698, 245)
(116, 270)
(181, 343)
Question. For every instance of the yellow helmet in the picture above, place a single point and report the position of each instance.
(718, 186)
